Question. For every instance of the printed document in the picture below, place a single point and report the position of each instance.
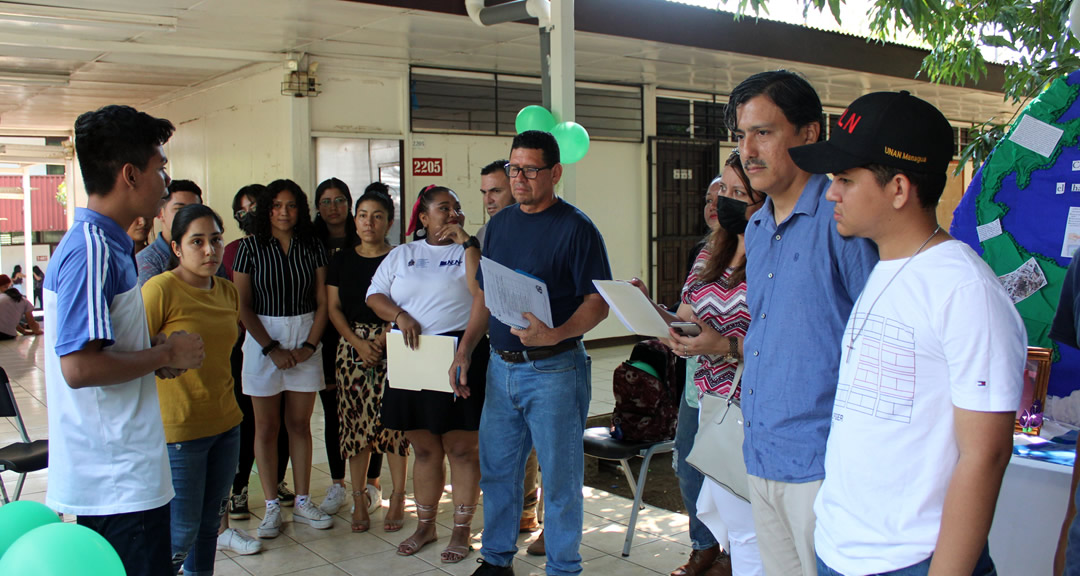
(634, 310)
(508, 294)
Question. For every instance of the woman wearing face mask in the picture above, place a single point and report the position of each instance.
(714, 298)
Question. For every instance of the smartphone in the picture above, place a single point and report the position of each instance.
(686, 328)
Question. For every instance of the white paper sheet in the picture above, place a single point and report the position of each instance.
(632, 308)
(508, 294)
(1036, 135)
(989, 230)
(422, 369)
(1071, 242)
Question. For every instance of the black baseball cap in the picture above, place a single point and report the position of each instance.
(889, 128)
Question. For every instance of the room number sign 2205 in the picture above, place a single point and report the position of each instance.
(427, 166)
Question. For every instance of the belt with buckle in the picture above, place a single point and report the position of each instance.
(539, 353)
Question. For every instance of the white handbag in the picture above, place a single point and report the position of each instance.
(717, 451)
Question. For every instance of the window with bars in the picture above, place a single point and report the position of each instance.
(691, 119)
(483, 103)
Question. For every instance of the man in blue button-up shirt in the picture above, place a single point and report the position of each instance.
(802, 278)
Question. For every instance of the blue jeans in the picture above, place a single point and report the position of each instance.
(689, 478)
(202, 473)
(542, 404)
(984, 567)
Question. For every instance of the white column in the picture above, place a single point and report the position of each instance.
(562, 80)
(28, 244)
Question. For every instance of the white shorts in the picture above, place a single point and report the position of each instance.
(262, 377)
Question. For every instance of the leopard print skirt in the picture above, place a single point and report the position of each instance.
(360, 394)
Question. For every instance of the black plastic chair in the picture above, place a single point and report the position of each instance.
(600, 444)
(21, 457)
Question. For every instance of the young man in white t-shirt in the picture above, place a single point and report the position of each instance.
(108, 463)
(932, 359)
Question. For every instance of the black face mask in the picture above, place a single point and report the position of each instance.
(247, 223)
(731, 214)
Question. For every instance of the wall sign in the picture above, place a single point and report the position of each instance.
(427, 166)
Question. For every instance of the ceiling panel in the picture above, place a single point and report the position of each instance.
(234, 34)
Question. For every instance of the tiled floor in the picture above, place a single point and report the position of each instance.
(660, 543)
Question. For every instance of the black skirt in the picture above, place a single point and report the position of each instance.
(439, 412)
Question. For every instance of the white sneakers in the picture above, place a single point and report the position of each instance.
(335, 499)
(374, 499)
(270, 527)
(308, 513)
(238, 542)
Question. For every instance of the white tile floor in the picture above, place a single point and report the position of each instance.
(661, 542)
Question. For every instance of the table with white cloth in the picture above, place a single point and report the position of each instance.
(1027, 522)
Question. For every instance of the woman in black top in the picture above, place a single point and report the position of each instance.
(361, 360)
(336, 230)
(280, 276)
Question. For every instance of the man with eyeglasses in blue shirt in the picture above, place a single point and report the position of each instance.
(538, 381)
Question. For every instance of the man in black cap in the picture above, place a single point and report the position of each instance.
(932, 359)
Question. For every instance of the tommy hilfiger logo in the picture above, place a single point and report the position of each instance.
(848, 121)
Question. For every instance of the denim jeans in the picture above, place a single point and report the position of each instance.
(984, 567)
(202, 472)
(689, 478)
(543, 404)
(140, 538)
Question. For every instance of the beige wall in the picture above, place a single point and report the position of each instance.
(245, 131)
(231, 136)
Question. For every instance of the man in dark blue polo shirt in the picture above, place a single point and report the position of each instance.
(802, 278)
(538, 381)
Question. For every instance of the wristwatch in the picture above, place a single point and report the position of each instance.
(471, 242)
(733, 350)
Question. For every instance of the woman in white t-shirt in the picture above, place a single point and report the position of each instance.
(427, 287)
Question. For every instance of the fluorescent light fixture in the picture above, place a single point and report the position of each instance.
(12, 78)
(18, 12)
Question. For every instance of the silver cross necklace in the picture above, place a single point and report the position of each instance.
(855, 335)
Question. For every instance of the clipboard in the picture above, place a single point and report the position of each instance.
(632, 308)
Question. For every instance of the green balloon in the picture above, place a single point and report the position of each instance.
(534, 118)
(573, 141)
(62, 550)
(19, 517)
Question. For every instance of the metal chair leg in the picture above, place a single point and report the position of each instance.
(19, 485)
(638, 487)
(3, 490)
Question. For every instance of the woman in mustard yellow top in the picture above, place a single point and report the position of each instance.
(199, 410)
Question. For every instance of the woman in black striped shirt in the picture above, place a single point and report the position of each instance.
(280, 275)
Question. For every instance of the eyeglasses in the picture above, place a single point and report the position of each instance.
(530, 173)
(241, 214)
(339, 201)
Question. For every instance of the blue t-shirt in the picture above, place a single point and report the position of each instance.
(802, 278)
(560, 246)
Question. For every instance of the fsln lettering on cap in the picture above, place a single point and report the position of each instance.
(848, 121)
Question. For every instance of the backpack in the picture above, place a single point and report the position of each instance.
(648, 389)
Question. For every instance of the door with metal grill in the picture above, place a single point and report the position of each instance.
(682, 170)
